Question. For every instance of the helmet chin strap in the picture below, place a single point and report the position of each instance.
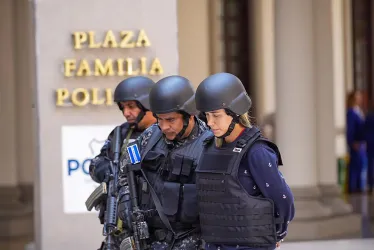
(235, 120)
(186, 122)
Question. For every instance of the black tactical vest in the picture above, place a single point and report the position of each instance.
(171, 172)
(228, 214)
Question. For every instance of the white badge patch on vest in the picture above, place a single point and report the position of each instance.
(237, 150)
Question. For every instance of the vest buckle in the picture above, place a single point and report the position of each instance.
(241, 144)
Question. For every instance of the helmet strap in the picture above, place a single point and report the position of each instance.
(186, 122)
(120, 106)
(235, 120)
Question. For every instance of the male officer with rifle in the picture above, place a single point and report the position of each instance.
(132, 98)
(164, 190)
(106, 195)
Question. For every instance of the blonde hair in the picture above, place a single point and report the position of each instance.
(244, 120)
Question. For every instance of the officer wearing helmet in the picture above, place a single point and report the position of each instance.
(170, 151)
(244, 201)
(132, 98)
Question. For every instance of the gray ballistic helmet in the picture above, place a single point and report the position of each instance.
(222, 91)
(172, 94)
(135, 88)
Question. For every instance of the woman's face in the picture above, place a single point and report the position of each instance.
(218, 121)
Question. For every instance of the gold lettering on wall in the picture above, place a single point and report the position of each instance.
(123, 39)
(104, 70)
(105, 67)
(113, 67)
(83, 96)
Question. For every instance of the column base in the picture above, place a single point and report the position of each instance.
(16, 215)
(321, 213)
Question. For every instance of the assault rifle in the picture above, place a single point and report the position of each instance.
(109, 192)
(139, 225)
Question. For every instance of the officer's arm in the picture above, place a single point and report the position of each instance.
(263, 165)
(99, 166)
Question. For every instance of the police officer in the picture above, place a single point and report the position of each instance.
(132, 98)
(244, 201)
(170, 151)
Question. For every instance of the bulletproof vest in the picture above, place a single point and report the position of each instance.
(171, 172)
(228, 214)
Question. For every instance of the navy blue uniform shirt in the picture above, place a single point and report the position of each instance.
(260, 176)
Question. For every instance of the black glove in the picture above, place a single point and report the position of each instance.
(124, 208)
(99, 168)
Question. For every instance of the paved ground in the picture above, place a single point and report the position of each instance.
(364, 240)
(353, 244)
(362, 204)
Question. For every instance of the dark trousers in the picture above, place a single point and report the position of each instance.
(370, 171)
(355, 168)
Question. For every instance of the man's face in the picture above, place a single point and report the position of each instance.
(130, 111)
(170, 124)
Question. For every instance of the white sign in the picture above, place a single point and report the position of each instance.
(79, 145)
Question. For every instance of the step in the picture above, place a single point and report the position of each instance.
(16, 221)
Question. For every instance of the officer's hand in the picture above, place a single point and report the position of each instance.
(102, 212)
(99, 169)
(124, 208)
(278, 244)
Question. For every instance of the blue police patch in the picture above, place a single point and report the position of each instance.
(134, 154)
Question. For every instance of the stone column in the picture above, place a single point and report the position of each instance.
(198, 44)
(15, 216)
(330, 99)
(295, 90)
(262, 15)
(305, 116)
(8, 176)
(24, 80)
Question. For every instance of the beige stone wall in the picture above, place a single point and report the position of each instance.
(9, 176)
(57, 229)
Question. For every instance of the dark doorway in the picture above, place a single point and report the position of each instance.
(236, 36)
(362, 35)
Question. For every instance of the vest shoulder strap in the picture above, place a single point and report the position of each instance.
(155, 137)
(248, 138)
(254, 135)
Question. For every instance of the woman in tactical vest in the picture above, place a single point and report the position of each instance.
(244, 201)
